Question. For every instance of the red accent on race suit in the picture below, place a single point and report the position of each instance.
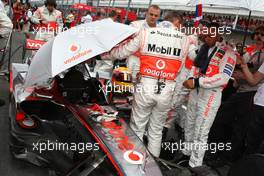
(137, 54)
(209, 105)
(211, 71)
(231, 61)
(188, 63)
(157, 67)
(219, 55)
(34, 44)
(251, 48)
(213, 67)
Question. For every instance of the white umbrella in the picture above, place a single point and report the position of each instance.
(75, 46)
(251, 5)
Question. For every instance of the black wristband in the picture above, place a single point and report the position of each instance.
(196, 82)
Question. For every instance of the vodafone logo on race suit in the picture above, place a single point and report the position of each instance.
(133, 157)
(74, 48)
(209, 70)
(158, 67)
(160, 64)
(34, 44)
(164, 50)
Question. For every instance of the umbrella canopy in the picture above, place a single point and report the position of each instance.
(80, 6)
(73, 47)
(251, 5)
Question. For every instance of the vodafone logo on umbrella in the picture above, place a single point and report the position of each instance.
(160, 64)
(74, 48)
(133, 157)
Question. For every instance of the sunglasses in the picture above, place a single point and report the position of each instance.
(259, 33)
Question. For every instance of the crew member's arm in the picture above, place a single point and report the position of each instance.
(83, 19)
(59, 21)
(5, 24)
(126, 48)
(225, 72)
(238, 74)
(253, 79)
(36, 18)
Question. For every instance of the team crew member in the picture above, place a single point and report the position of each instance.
(173, 19)
(6, 25)
(238, 107)
(255, 133)
(114, 16)
(162, 54)
(180, 97)
(212, 70)
(152, 16)
(107, 65)
(87, 18)
(49, 20)
(69, 20)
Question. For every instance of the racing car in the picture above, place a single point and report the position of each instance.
(71, 129)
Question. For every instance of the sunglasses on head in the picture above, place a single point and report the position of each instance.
(260, 33)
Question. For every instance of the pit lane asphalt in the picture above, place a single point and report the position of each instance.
(9, 166)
